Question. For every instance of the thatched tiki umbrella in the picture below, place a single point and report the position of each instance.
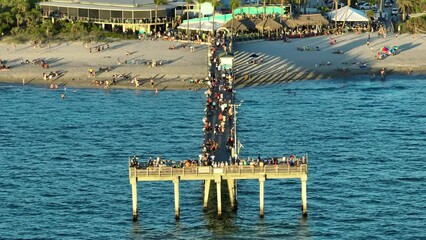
(306, 20)
(235, 25)
(269, 25)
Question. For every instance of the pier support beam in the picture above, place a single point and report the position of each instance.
(177, 207)
(219, 197)
(261, 195)
(206, 193)
(304, 197)
(232, 188)
(133, 182)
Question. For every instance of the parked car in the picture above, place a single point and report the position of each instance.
(332, 5)
(388, 3)
(367, 6)
(394, 11)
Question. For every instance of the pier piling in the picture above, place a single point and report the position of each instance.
(206, 193)
(133, 182)
(304, 196)
(232, 193)
(177, 207)
(219, 197)
(261, 195)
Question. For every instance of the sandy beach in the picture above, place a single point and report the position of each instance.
(282, 62)
(73, 60)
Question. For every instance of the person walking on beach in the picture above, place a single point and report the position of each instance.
(152, 83)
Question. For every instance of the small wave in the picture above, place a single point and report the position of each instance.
(411, 179)
(61, 158)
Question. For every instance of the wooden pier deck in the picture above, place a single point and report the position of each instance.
(225, 173)
(230, 174)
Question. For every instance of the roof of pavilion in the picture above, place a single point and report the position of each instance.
(118, 5)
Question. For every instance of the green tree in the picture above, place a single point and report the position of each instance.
(372, 2)
(48, 28)
(405, 7)
(32, 16)
(157, 2)
(8, 18)
(234, 5)
(215, 4)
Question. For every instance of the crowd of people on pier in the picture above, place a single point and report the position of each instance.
(219, 109)
(158, 162)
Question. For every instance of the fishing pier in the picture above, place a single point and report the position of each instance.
(209, 174)
(219, 162)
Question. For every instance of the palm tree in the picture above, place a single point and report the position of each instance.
(336, 3)
(234, 5)
(215, 3)
(187, 16)
(22, 6)
(304, 6)
(405, 6)
(264, 9)
(199, 13)
(346, 14)
(19, 19)
(31, 16)
(157, 2)
(370, 14)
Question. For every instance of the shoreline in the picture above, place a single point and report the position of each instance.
(283, 62)
(176, 85)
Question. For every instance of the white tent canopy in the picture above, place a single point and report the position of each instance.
(205, 26)
(348, 14)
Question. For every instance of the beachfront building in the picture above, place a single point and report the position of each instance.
(118, 15)
(253, 13)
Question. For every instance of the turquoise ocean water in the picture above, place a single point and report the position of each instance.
(64, 175)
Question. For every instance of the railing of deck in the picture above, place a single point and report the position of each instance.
(206, 170)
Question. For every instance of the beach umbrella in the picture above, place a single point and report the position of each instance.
(268, 24)
(306, 20)
(385, 49)
(255, 21)
(239, 25)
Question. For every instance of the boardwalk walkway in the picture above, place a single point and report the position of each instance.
(218, 123)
